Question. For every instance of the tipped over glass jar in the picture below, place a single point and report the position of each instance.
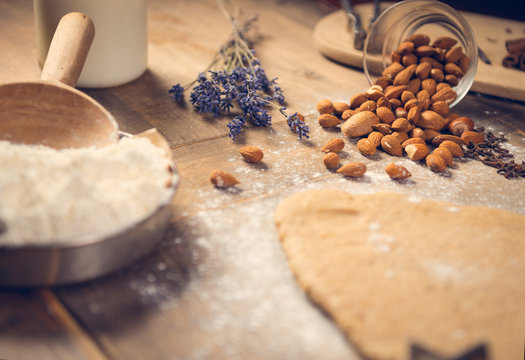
(386, 43)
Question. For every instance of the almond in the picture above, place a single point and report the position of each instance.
(340, 107)
(431, 120)
(395, 56)
(423, 70)
(409, 59)
(444, 42)
(445, 154)
(383, 82)
(384, 129)
(353, 169)
(407, 96)
(464, 62)
(347, 114)
(374, 93)
(424, 50)
(392, 70)
(385, 115)
(357, 100)
(454, 54)
(424, 99)
(395, 103)
(328, 120)
(417, 132)
(430, 134)
(411, 103)
(251, 154)
(325, 106)
(366, 147)
(413, 115)
(331, 160)
(435, 162)
(333, 145)
(391, 145)
(416, 151)
(395, 91)
(406, 47)
(375, 138)
(460, 125)
(397, 172)
(414, 85)
(404, 76)
(413, 140)
(473, 137)
(368, 105)
(400, 124)
(401, 136)
(429, 85)
(221, 178)
(440, 107)
(400, 112)
(453, 147)
(419, 39)
(441, 86)
(437, 75)
(384, 102)
(452, 80)
(435, 64)
(453, 69)
(359, 124)
(437, 140)
(447, 95)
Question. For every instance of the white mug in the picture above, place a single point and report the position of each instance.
(119, 50)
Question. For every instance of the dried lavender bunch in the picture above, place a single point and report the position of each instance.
(235, 80)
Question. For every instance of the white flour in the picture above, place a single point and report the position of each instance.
(48, 195)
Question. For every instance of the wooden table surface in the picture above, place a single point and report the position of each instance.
(218, 286)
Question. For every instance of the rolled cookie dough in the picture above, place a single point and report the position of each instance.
(393, 270)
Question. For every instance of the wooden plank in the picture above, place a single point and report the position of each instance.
(35, 325)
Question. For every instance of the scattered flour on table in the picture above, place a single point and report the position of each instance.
(49, 195)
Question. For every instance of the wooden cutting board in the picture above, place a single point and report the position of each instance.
(332, 38)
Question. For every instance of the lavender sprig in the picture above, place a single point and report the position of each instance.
(235, 80)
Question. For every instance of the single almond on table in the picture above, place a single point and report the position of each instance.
(453, 147)
(473, 137)
(445, 154)
(366, 147)
(251, 154)
(353, 169)
(221, 178)
(328, 120)
(333, 145)
(435, 162)
(397, 172)
(331, 160)
(416, 151)
(391, 145)
(359, 124)
(325, 106)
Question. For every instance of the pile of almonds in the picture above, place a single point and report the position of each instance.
(407, 110)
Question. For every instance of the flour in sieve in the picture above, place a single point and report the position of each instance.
(49, 195)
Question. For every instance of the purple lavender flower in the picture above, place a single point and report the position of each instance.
(178, 92)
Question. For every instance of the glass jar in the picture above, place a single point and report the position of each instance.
(119, 50)
(406, 18)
